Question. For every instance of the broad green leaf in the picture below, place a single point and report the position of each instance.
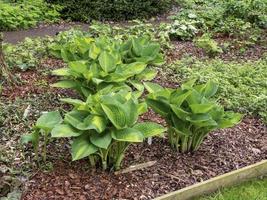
(33, 137)
(178, 98)
(139, 86)
(133, 68)
(159, 107)
(149, 129)
(82, 147)
(107, 61)
(75, 102)
(64, 130)
(95, 122)
(128, 135)
(179, 112)
(201, 108)
(147, 74)
(141, 108)
(202, 120)
(230, 119)
(188, 85)
(210, 89)
(75, 117)
(94, 51)
(131, 110)
(151, 50)
(49, 120)
(116, 115)
(153, 87)
(101, 140)
(78, 66)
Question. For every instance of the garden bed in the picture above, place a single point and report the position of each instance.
(223, 151)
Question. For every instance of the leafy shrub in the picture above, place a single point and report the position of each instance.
(190, 113)
(107, 9)
(94, 64)
(242, 85)
(103, 127)
(209, 45)
(25, 14)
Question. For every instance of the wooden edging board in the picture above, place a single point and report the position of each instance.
(213, 184)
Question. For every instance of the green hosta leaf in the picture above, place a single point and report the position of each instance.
(133, 68)
(153, 87)
(139, 86)
(82, 147)
(131, 110)
(62, 72)
(178, 98)
(210, 89)
(147, 74)
(159, 107)
(230, 119)
(49, 120)
(94, 51)
(142, 108)
(95, 122)
(151, 50)
(78, 66)
(201, 108)
(33, 137)
(66, 55)
(107, 61)
(116, 115)
(75, 102)
(179, 112)
(66, 84)
(188, 85)
(137, 47)
(75, 117)
(128, 135)
(149, 129)
(101, 140)
(202, 120)
(64, 130)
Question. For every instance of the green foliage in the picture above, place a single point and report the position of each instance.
(102, 127)
(43, 127)
(94, 64)
(231, 17)
(242, 85)
(190, 113)
(24, 14)
(26, 54)
(116, 10)
(209, 45)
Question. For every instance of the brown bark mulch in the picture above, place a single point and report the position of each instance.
(222, 151)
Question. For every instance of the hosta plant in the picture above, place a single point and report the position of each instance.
(94, 64)
(190, 113)
(103, 127)
(42, 128)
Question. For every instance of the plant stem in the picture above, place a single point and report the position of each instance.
(45, 144)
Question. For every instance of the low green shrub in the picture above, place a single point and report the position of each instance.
(189, 112)
(94, 64)
(102, 128)
(116, 10)
(24, 14)
(242, 85)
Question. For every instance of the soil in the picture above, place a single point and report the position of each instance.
(222, 151)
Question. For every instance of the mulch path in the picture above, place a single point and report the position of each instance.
(222, 151)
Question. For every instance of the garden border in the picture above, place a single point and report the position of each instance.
(213, 184)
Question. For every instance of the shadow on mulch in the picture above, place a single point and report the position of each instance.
(221, 152)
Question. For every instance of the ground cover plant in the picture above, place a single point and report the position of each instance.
(24, 14)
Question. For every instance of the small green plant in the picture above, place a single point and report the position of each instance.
(94, 64)
(43, 127)
(189, 112)
(209, 45)
(103, 127)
